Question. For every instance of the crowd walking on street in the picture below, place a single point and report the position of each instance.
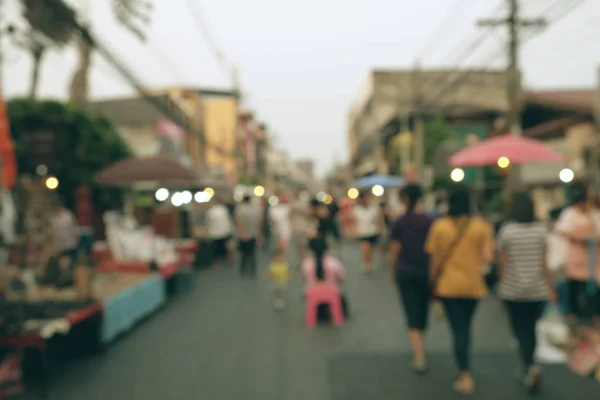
(434, 261)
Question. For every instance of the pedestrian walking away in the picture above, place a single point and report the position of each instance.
(409, 269)
(579, 224)
(369, 223)
(526, 282)
(248, 221)
(299, 215)
(280, 216)
(459, 246)
(333, 223)
(266, 225)
(220, 230)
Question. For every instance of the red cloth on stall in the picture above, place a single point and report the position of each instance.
(7, 151)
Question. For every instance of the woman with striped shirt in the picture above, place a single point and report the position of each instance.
(526, 282)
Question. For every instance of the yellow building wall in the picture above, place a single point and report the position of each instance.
(220, 127)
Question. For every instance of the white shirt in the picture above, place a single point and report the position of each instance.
(555, 252)
(367, 220)
(280, 215)
(218, 222)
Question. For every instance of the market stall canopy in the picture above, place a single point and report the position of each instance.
(146, 169)
(518, 150)
(381, 180)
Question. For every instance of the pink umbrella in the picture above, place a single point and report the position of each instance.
(518, 150)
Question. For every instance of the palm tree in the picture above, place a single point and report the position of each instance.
(127, 12)
(51, 20)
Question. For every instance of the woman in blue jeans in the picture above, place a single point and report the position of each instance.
(459, 245)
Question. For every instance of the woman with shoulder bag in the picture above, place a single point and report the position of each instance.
(459, 244)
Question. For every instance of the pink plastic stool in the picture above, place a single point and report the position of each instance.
(322, 293)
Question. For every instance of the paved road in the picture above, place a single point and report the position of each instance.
(223, 340)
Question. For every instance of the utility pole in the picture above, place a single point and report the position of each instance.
(515, 23)
(513, 81)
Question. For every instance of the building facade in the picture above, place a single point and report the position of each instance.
(201, 128)
(389, 99)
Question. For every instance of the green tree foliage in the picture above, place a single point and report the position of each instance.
(51, 19)
(85, 144)
(249, 180)
(437, 131)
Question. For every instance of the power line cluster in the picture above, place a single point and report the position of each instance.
(177, 117)
(553, 12)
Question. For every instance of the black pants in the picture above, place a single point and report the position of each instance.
(524, 316)
(219, 248)
(460, 313)
(335, 230)
(247, 257)
(581, 304)
(415, 294)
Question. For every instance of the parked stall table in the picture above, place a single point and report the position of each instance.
(177, 276)
(121, 300)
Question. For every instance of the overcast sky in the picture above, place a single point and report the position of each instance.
(301, 63)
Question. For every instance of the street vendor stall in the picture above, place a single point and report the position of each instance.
(118, 302)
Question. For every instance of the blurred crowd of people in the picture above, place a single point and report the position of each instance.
(453, 258)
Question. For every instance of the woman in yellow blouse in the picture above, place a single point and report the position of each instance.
(459, 246)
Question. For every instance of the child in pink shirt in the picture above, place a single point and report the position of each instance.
(326, 269)
(331, 268)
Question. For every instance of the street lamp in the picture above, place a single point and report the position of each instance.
(259, 191)
(162, 194)
(503, 162)
(51, 183)
(457, 175)
(378, 190)
(209, 191)
(566, 175)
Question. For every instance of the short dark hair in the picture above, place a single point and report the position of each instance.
(459, 201)
(411, 193)
(555, 213)
(522, 208)
(315, 203)
(578, 193)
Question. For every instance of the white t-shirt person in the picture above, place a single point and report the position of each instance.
(367, 220)
(280, 214)
(218, 222)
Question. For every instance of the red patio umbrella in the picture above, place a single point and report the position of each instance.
(518, 150)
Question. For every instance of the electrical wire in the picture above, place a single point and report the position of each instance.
(203, 27)
(447, 23)
(155, 102)
(463, 53)
(166, 63)
(561, 12)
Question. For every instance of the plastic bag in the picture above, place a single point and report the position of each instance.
(554, 325)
